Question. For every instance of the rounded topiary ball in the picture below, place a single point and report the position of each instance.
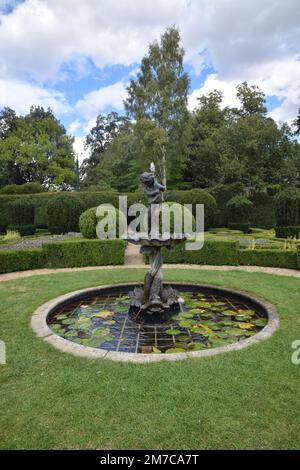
(63, 213)
(88, 221)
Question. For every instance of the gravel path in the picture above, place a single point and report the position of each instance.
(37, 242)
(251, 269)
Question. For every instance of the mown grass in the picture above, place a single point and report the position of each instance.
(238, 400)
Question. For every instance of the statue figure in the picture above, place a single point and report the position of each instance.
(153, 190)
(153, 297)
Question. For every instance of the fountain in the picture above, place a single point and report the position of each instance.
(153, 321)
(154, 301)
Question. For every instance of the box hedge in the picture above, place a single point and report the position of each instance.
(213, 252)
(21, 260)
(270, 258)
(64, 254)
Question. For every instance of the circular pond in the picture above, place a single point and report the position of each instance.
(210, 319)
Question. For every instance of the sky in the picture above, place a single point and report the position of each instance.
(78, 56)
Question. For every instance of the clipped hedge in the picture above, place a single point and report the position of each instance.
(21, 260)
(213, 252)
(270, 258)
(63, 214)
(27, 188)
(288, 232)
(20, 214)
(242, 226)
(24, 230)
(64, 254)
(287, 204)
(67, 254)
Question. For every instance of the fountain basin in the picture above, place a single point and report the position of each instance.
(120, 338)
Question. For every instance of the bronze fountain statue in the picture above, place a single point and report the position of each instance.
(154, 297)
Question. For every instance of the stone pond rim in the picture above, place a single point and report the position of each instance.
(43, 313)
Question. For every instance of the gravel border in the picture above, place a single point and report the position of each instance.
(40, 327)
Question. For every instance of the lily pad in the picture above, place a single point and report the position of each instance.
(103, 314)
(109, 322)
(246, 326)
(186, 323)
(173, 331)
(175, 350)
(101, 331)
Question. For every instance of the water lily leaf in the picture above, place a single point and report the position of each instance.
(246, 311)
(56, 328)
(68, 321)
(182, 316)
(235, 331)
(103, 314)
(246, 326)
(156, 350)
(173, 331)
(186, 323)
(146, 349)
(109, 322)
(83, 319)
(230, 313)
(197, 310)
(204, 330)
(101, 331)
(175, 350)
(61, 316)
(196, 346)
(220, 342)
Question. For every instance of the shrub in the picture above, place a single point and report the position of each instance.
(21, 260)
(298, 256)
(287, 232)
(213, 252)
(23, 229)
(27, 188)
(287, 206)
(242, 226)
(63, 214)
(176, 210)
(84, 253)
(238, 209)
(197, 196)
(272, 258)
(88, 222)
(3, 221)
(20, 212)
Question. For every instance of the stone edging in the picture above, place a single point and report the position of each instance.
(40, 327)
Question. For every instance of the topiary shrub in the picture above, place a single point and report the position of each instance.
(288, 232)
(21, 217)
(63, 214)
(238, 212)
(197, 196)
(88, 222)
(241, 226)
(176, 210)
(287, 211)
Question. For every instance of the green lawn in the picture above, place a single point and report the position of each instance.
(51, 400)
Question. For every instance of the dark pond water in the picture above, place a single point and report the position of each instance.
(206, 321)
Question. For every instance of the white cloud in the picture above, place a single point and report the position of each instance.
(74, 126)
(79, 149)
(20, 96)
(98, 100)
(242, 40)
(279, 78)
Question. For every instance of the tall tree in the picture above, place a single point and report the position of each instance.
(98, 141)
(252, 99)
(159, 93)
(36, 148)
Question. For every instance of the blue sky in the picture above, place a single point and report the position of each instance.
(78, 57)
